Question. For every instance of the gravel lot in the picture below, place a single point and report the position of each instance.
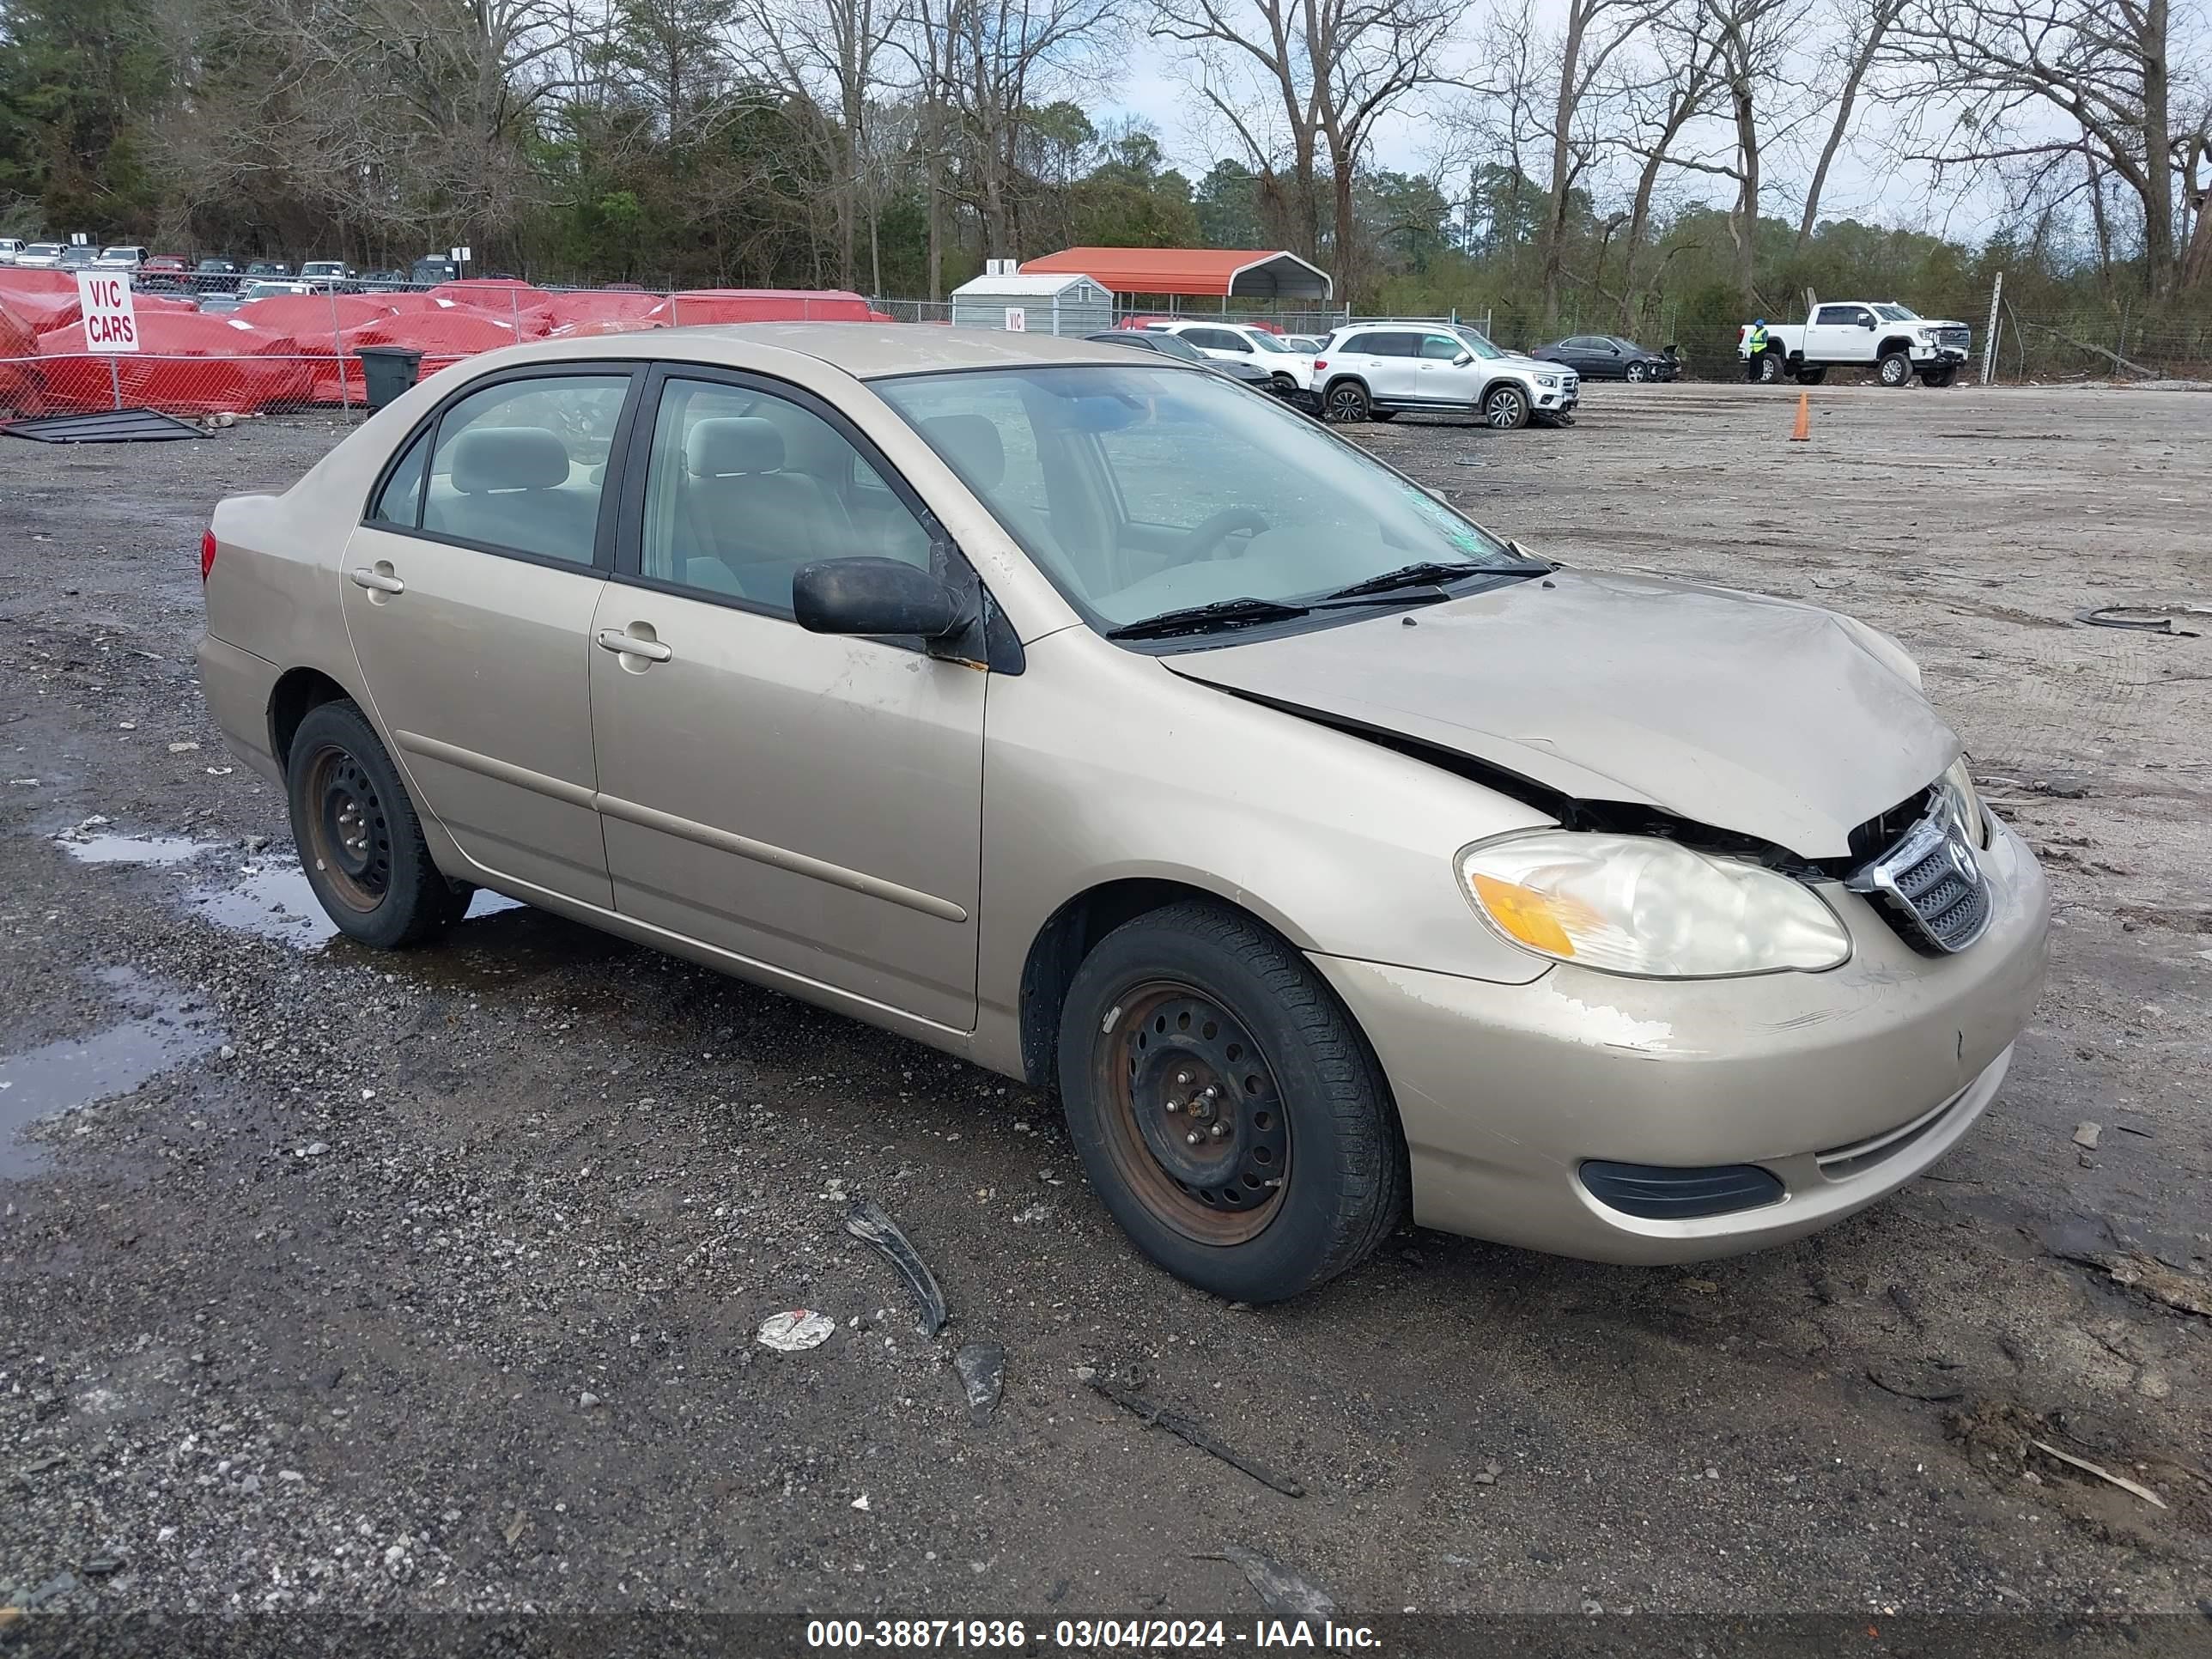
(430, 1281)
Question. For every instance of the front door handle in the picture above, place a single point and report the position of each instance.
(378, 581)
(629, 645)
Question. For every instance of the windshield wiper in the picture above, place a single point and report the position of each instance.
(1432, 573)
(1208, 618)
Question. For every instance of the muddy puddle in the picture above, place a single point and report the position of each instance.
(271, 897)
(266, 895)
(167, 1028)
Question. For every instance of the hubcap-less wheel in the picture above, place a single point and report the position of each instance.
(1193, 1120)
(1505, 409)
(350, 837)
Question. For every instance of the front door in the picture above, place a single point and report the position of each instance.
(810, 803)
(469, 593)
(1440, 376)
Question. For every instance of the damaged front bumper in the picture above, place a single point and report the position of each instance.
(1838, 1087)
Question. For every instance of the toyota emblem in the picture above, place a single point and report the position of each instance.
(1962, 859)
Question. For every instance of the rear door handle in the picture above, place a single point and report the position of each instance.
(629, 645)
(377, 582)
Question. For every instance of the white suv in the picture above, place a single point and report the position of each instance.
(1239, 343)
(1373, 371)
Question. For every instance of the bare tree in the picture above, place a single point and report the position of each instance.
(1593, 32)
(2102, 68)
(1861, 26)
(1661, 109)
(1754, 37)
(831, 53)
(1292, 78)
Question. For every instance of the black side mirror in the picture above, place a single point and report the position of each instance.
(876, 596)
(1866, 323)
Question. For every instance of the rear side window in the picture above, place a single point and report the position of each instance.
(399, 503)
(520, 465)
(1363, 344)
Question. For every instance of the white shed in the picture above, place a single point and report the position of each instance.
(1056, 304)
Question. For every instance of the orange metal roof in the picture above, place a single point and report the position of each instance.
(1263, 273)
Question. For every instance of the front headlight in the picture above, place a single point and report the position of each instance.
(1636, 904)
(1548, 380)
(1956, 786)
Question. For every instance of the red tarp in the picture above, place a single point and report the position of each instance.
(307, 319)
(443, 337)
(20, 382)
(185, 364)
(46, 300)
(760, 305)
(601, 305)
(502, 293)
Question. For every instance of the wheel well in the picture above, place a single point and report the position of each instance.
(1336, 380)
(299, 691)
(1895, 343)
(1068, 936)
(1506, 379)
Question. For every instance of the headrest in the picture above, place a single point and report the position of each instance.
(969, 443)
(508, 457)
(739, 443)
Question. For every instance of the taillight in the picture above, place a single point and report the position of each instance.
(207, 553)
(1320, 362)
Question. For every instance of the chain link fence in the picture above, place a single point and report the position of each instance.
(233, 346)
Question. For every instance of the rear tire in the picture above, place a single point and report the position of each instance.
(1345, 402)
(1895, 370)
(1505, 409)
(360, 842)
(1281, 1163)
(1939, 378)
(1811, 376)
(1770, 367)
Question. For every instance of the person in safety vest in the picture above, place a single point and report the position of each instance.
(1755, 343)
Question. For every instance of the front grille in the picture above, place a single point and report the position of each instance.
(1929, 886)
(1953, 337)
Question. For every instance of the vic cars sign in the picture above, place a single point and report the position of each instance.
(110, 324)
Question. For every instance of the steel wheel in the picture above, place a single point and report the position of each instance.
(1194, 1120)
(1505, 409)
(348, 831)
(1346, 402)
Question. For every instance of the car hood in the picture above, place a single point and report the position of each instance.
(1759, 715)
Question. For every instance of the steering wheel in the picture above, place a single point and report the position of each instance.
(1205, 539)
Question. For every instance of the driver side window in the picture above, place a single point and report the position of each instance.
(1441, 348)
(743, 487)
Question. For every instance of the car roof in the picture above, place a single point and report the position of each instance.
(870, 351)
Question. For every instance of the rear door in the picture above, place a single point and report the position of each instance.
(469, 592)
(809, 802)
(1839, 334)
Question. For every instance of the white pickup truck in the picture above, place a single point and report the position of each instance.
(1893, 340)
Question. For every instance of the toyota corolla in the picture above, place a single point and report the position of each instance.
(1096, 719)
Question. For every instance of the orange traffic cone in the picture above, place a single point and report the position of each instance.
(1802, 432)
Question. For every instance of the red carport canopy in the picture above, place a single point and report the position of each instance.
(1229, 272)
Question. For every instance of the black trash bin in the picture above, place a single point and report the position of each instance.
(388, 371)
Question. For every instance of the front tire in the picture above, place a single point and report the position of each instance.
(1505, 409)
(361, 842)
(1895, 370)
(1345, 402)
(1811, 376)
(1637, 371)
(1225, 1108)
